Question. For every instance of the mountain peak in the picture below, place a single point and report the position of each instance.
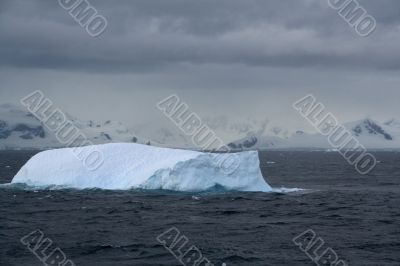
(368, 127)
(21, 129)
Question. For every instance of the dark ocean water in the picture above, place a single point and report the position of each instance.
(357, 216)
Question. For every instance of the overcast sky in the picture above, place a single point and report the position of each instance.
(223, 57)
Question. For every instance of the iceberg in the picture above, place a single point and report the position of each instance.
(136, 166)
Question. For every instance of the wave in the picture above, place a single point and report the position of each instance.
(217, 189)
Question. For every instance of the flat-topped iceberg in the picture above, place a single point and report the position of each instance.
(130, 166)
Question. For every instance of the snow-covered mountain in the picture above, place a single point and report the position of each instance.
(164, 133)
(368, 132)
(19, 129)
(167, 134)
(248, 133)
(229, 130)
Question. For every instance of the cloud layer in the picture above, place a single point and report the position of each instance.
(268, 48)
(148, 35)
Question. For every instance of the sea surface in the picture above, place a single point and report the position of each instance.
(357, 216)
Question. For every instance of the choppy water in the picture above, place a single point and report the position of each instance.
(357, 216)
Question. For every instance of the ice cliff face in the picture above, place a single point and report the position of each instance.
(127, 166)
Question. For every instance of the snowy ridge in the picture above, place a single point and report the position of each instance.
(19, 129)
(128, 166)
(370, 133)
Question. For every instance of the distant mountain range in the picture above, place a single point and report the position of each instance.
(370, 133)
(19, 129)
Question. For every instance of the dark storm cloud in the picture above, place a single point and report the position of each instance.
(147, 35)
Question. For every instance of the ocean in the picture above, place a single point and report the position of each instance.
(356, 216)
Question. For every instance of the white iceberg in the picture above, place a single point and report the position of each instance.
(131, 166)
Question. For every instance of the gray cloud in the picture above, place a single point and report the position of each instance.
(149, 35)
(222, 56)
